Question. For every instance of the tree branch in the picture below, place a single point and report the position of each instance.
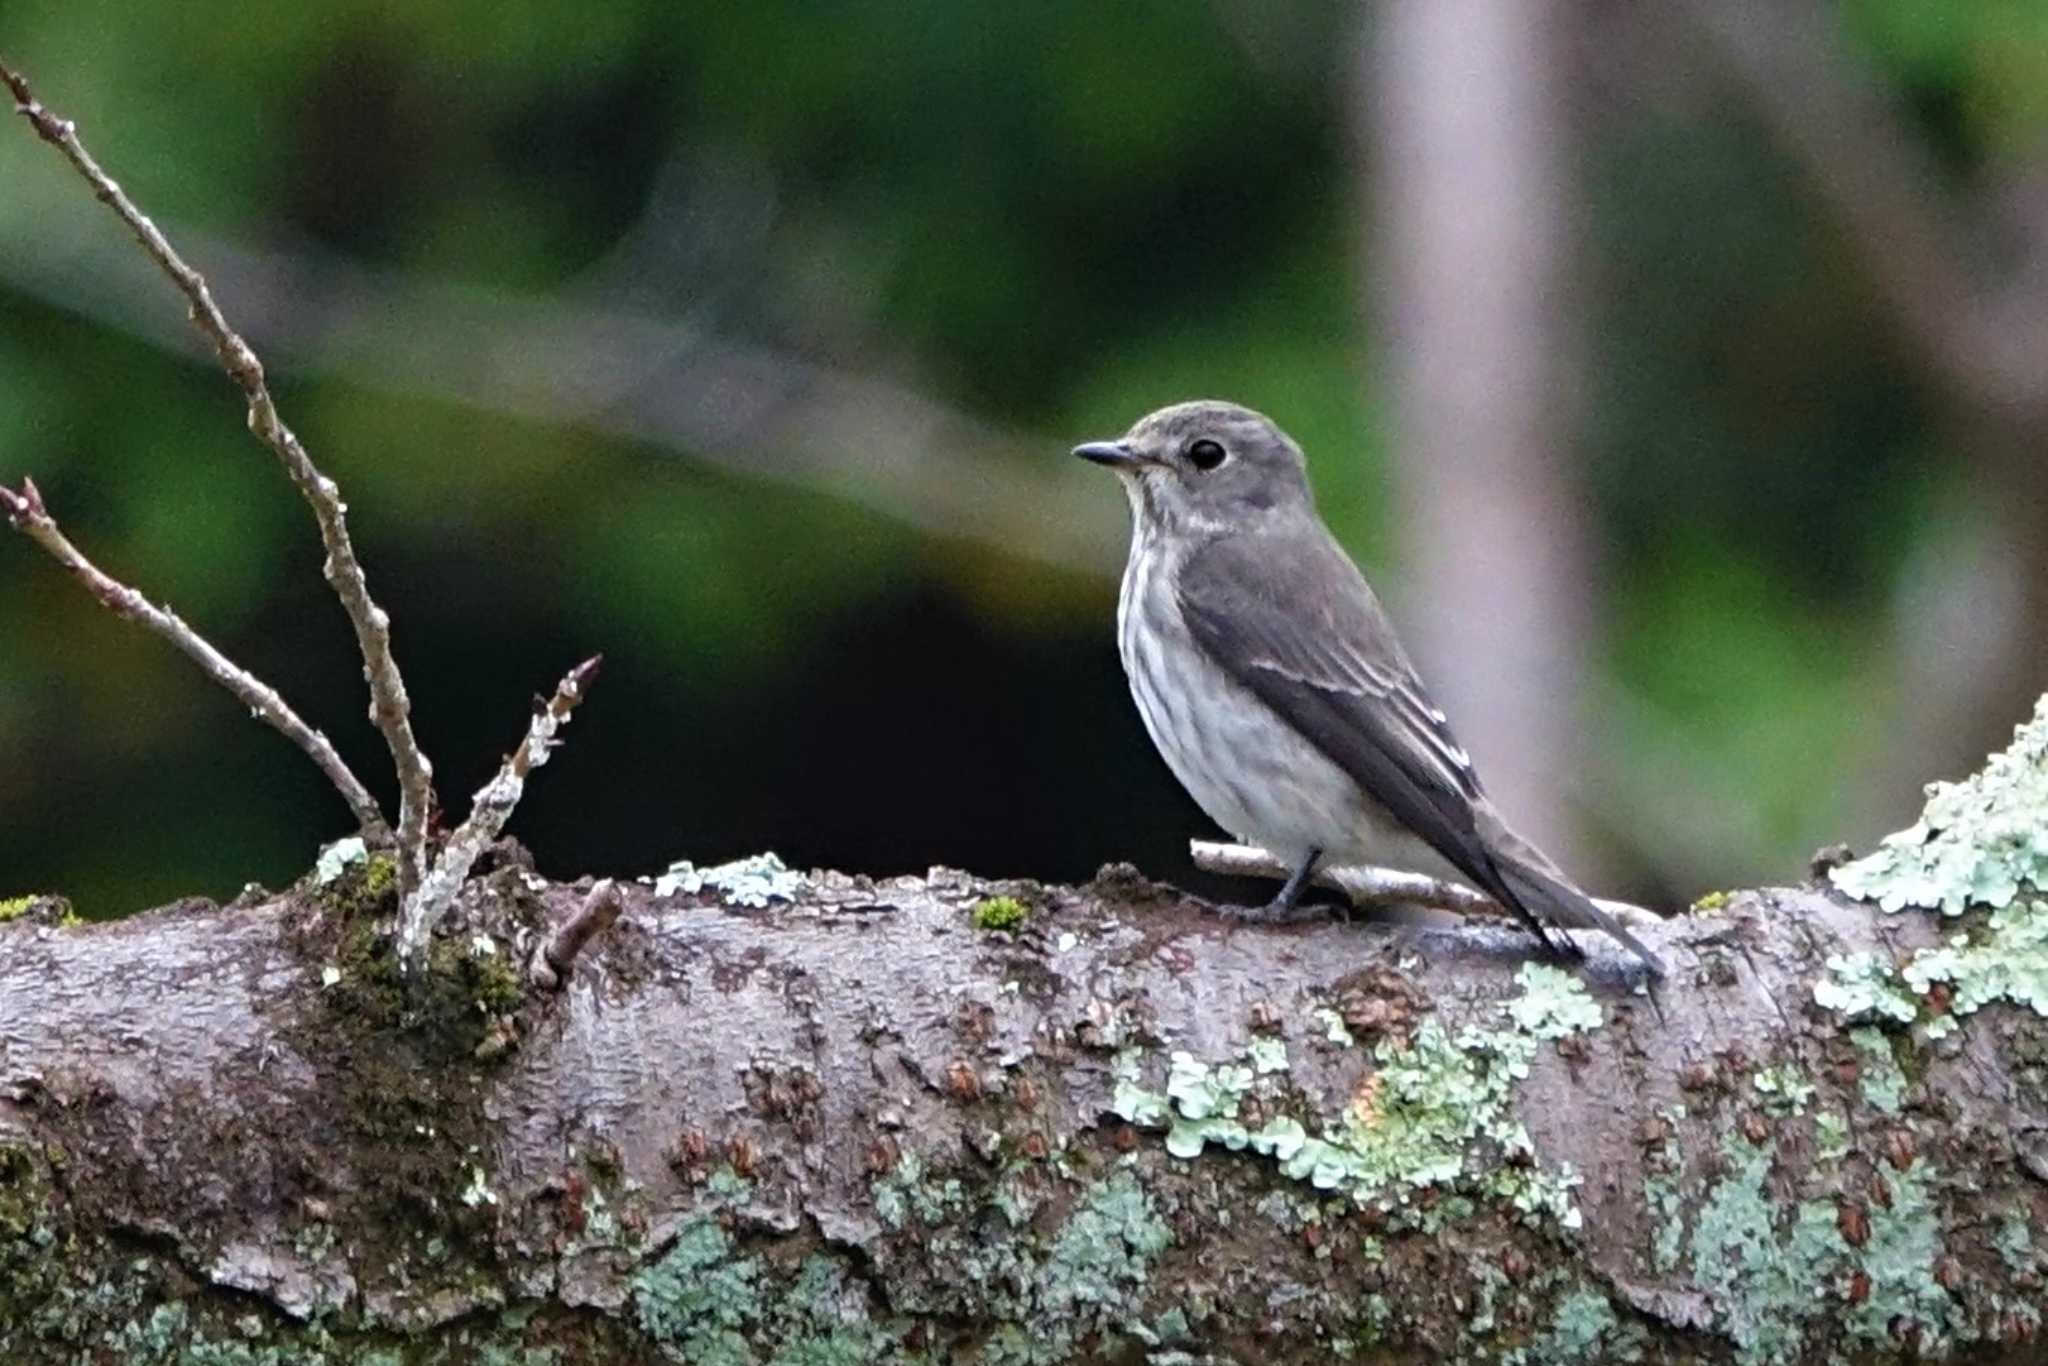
(390, 709)
(27, 514)
(853, 1127)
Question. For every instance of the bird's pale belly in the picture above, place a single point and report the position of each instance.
(1251, 772)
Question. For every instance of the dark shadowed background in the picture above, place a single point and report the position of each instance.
(1680, 378)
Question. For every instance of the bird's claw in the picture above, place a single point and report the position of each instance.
(1279, 913)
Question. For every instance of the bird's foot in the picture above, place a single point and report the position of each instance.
(1561, 947)
(1279, 912)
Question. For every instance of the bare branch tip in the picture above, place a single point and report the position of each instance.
(23, 506)
(557, 953)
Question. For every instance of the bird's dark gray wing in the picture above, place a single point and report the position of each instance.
(1287, 615)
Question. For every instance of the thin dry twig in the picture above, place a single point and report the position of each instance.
(27, 514)
(489, 810)
(556, 954)
(1366, 886)
(390, 709)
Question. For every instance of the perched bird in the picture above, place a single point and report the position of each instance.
(1272, 682)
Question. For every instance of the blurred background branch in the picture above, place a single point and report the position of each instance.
(1961, 264)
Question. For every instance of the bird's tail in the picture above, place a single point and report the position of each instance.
(1550, 897)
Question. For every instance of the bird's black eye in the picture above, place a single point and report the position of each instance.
(1206, 454)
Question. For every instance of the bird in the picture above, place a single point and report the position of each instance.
(1273, 684)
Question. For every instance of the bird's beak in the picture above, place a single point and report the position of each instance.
(1114, 454)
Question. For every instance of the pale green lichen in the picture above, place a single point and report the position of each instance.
(1707, 903)
(1830, 1136)
(1860, 985)
(1776, 1278)
(337, 858)
(1046, 1291)
(904, 1193)
(1761, 1279)
(1784, 1089)
(1267, 1056)
(1104, 1253)
(697, 1301)
(2007, 961)
(1583, 1328)
(705, 1304)
(13, 908)
(1978, 842)
(2014, 1242)
(1882, 1081)
(1437, 1113)
(1982, 842)
(753, 881)
(1553, 1003)
(1334, 1028)
(1665, 1199)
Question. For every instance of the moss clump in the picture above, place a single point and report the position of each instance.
(41, 910)
(357, 888)
(1710, 903)
(999, 913)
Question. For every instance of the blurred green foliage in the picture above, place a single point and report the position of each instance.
(1053, 216)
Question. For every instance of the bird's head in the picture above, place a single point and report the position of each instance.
(1205, 466)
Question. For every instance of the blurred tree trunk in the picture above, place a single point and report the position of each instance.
(1466, 123)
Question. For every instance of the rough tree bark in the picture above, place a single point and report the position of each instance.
(937, 1119)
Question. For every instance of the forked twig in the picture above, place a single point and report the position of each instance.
(27, 514)
(489, 810)
(390, 709)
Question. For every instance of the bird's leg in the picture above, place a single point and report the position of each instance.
(1290, 890)
(1283, 908)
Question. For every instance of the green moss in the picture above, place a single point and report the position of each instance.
(40, 910)
(998, 913)
(355, 883)
(1710, 903)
